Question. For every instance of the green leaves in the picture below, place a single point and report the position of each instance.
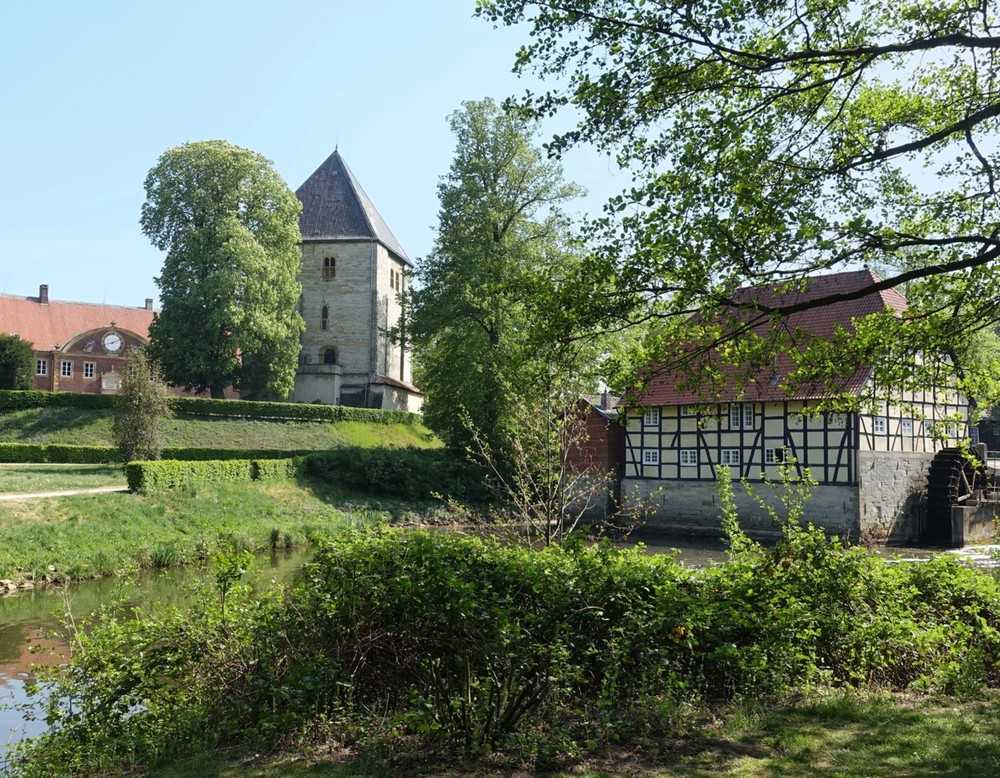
(228, 287)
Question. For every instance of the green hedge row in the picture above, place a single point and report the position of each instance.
(149, 477)
(203, 406)
(57, 453)
(95, 455)
(406, 473)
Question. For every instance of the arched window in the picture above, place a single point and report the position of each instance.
(324, 319)
(329, 267)
(330, 356)
(302, 304)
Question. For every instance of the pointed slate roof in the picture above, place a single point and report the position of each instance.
(335, 207)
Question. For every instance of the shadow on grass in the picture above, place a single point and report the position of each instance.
(851, 738)
(39, 424)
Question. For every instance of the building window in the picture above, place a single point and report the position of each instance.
(324, 318)
(88, 369)
(689, 457)
(880, 425)
(66, 368)
(329, 356)
(741, 416)
(41, 367)
(774, 456)
(651, 417)
(650, 456)
(974, 434)
(329, 267)
(906, 427)
(689, 410)
(730, 456)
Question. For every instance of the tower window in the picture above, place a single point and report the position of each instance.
(324, 319)
(329, 267)
(330, 356)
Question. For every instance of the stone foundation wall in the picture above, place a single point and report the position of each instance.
(891, 489)
(692, 506)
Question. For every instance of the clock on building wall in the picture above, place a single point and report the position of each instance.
(112, 342)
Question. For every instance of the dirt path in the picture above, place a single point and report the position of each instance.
(63, 493)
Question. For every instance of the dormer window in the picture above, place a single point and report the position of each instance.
(329, 267)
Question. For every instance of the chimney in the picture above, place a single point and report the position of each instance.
(43, 294)
(149, 303)
(605, 398)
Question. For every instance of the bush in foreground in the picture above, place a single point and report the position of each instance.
(459, 643)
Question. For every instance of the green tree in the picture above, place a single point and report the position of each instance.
(502, 246)
(498, 360)
(17, 363)
(229, 287)
(141, 406)
(773, 141)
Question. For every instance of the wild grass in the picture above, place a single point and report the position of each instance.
(48, 478)
(88, 427)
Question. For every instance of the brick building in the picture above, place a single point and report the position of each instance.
(79, 347)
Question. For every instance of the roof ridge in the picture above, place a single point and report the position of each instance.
(34, 298)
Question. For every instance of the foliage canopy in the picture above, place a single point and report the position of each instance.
(228, 288)
(774, 141)
(17, 363)
(141, 406)
(484, 351)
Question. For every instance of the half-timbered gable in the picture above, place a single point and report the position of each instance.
(869, 466)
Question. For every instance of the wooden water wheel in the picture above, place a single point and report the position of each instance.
(950, 482)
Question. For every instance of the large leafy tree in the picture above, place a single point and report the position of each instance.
(17, 363)
(771, 141)
(484, 351)
(229, 287)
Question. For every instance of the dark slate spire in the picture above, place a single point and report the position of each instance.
(335, 207)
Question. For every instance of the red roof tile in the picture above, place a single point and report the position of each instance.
(51, 325)
(821, 321)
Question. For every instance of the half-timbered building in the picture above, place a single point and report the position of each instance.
(870, 467)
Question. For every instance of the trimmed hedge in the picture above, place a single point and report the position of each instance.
(203, 406)
(57, 453)
(149, 477)
(407, 473)
(52, 453)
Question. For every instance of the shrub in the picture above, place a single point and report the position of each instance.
(405, 473)
(57, 453)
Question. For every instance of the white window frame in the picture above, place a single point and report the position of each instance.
(689, 457)
(906, 427)
(731, 457)
(89, 369)
(650, 456)
(880, 425)
(689, 410)
(774, 456)
(66, 368)
(41, 367)
(741, 416)
(651, 417)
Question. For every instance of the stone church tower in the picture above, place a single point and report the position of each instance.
(353, 270)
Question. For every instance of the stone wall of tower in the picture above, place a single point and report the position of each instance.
(337, 276)
(345, 291)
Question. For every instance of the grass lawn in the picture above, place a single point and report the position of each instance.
(87, 427)
(50, 478)
(96, 535)
(842, 736)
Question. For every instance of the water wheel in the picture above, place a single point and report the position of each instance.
(950, 482)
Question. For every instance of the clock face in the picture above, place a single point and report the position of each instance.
(112, 341)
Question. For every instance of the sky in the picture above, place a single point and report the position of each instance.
(94, 92)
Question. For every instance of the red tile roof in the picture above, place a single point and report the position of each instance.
(51, 325)
(821, 321)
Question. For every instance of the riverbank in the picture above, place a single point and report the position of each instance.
(46, 541)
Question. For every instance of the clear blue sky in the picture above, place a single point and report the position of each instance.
(94, 92)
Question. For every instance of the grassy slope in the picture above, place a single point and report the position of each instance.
(92, 428)
(50, 478)
(106, 534)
